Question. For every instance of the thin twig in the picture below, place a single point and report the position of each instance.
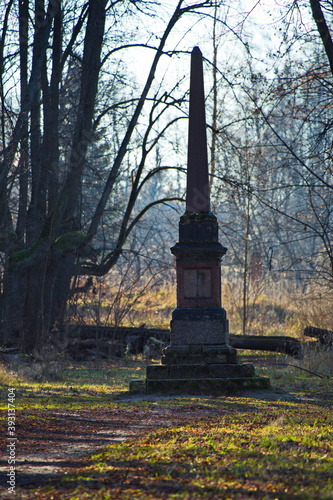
(304, 369)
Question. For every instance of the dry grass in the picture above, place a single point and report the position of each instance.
(7, 376)
(154, 308)
(318, 359)
(269, 312)
(125, 302)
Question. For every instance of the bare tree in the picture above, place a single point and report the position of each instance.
(47, 143)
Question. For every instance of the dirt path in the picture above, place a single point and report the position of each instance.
(47, 447)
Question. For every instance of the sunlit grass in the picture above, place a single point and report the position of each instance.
(259, 449)
(79, 384)
(275, 445)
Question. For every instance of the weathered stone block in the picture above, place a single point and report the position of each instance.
(198, 354)
(213, 386)
(183, 372)
(208, 331)
(198, 227)
(137, 385)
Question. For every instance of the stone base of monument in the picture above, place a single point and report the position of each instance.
(199, 354)
(199, 369)
(206, 386)
(199, 359)
(199, 386)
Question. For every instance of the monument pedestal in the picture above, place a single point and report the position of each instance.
(199, 359)
(204, 363)
(205, 386)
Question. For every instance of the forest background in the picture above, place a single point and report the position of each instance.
(93, 160)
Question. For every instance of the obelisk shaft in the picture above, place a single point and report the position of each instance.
(197, 193)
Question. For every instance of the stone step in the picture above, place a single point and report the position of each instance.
(208, 386)
(195, 354)
(205, 387)
(200, 371)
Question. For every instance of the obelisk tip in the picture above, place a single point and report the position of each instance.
(197, 192)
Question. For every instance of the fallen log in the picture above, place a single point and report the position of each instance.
(80, 348)
(285, 345)
(130, 340)
(99, 332)
(135, 338)
(325, 337)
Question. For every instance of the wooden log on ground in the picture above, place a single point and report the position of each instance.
(80, 348)
(114, 332)
(131, 340)
(136, 338)
(325, 337)
(285, 345)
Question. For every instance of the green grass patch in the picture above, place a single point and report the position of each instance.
(76, 386)
(275, 445)
(259, 449)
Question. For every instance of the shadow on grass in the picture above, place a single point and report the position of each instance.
(137, 478)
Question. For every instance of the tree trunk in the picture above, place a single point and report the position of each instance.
(47, 290)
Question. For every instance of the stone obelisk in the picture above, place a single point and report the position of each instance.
(199, 319)
(199, 358)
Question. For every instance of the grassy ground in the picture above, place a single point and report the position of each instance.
(275, 445)
(73, 384)
(258, 451)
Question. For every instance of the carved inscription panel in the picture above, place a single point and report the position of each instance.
(198, 283)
